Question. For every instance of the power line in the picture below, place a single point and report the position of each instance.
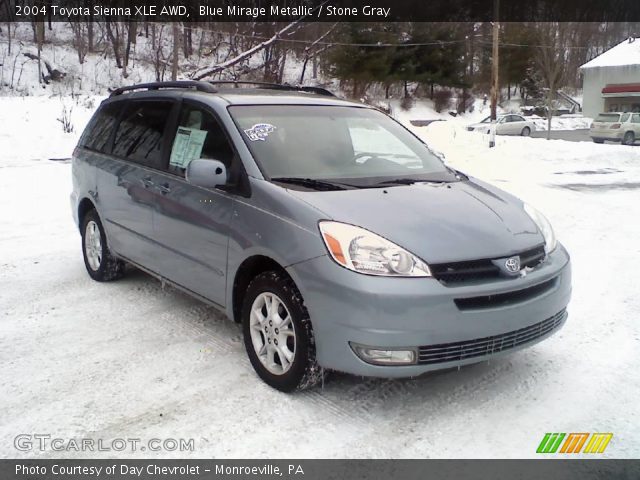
(502, 44)
(341, 44)
(440, 43)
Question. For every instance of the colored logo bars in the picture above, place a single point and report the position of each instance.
(574, 442)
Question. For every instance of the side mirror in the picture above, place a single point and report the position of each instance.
(206, 173)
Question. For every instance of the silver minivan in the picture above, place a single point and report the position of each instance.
(335, 236)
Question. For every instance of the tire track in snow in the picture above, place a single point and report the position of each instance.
(317, 397)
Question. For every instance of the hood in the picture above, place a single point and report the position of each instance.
(481, 125)
(439, 223)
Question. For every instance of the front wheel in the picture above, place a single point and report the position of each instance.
(526, 131)
(629, 138)
(278, 335)
(100, 264)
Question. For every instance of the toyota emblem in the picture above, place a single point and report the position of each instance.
(512, 264)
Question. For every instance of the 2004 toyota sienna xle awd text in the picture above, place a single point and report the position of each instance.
(335, 236)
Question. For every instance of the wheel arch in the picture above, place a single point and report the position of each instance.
(628, 134)
(84, 206)
(247, 271)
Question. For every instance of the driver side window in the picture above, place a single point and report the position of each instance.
(198, 135)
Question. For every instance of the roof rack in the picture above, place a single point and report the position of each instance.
(209, 87)
(199, 86)
(276, 86)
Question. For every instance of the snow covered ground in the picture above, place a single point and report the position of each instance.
(130, 359)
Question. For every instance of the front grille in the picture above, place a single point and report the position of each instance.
(507, 298)
(480, 347)
(474, 270)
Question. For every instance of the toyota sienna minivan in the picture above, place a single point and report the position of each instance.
(335, 236)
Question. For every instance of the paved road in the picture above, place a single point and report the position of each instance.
(570, 135)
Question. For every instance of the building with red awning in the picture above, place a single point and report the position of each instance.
(611, 81)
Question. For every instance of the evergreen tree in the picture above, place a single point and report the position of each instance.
(357, 65)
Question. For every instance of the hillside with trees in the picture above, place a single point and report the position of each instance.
(361, 60)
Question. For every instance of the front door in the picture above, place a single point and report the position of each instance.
(191, 223)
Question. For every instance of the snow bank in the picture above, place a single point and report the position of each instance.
(31, 130)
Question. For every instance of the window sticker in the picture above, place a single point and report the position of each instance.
(187, 146)
(259, 132)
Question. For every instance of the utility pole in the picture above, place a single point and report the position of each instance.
(494, 72)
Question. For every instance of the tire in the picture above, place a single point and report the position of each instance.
(526, 131)
(100, 264)
(629, 138)
(281, 349)
(598, 140)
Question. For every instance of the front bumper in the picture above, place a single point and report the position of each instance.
(350, 308)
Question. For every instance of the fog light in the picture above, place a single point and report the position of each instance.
(379, 356)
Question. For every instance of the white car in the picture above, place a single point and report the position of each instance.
(510, 124)
(616, 127)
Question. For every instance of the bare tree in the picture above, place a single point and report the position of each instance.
(4, 4)
(551, 61)
(113, 32)
(159, 61)
(176, 50)
(314, 49)
(9, 37)
(187, 43)
(132, 30)
(80, 39)
(39, 33)
(201, 73)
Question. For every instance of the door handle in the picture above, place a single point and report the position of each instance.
(164, 188)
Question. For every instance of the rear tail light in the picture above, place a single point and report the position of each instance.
(616, 125)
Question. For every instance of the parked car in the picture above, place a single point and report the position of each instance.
(510, 124)
(616, 127)
(335, 236)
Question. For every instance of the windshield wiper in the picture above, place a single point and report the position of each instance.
(400, 181)
(309, 183)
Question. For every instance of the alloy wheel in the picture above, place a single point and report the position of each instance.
(272, 333)
(93, 245)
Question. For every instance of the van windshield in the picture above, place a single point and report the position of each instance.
(357, 147)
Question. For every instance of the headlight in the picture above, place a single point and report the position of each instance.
(365, 252)
(543, 224)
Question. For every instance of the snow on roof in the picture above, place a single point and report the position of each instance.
(625, 53)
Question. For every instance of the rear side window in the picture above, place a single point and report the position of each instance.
(98, 133)
(139, 136)
(608, 117)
